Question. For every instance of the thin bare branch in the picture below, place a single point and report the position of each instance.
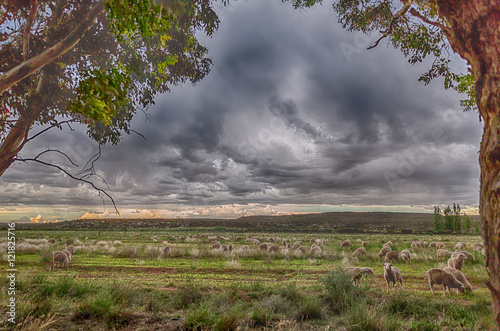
(57, 124)
(101, 191)
(139, 134)
(57, 151)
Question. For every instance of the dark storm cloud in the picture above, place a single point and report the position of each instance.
(285, 116)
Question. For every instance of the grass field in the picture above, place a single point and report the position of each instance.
(119, 280)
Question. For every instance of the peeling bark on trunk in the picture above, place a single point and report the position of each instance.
(15, 140)
(475, 35)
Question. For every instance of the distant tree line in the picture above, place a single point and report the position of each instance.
(451, 220)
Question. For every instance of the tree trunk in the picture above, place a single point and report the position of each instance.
(475, 35)
(15, 140)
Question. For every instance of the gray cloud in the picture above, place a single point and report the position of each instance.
(284, 117)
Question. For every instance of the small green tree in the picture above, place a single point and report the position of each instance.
(448, 219)
(438, 219)
(467, 224)
(477, 229)
(457, 220)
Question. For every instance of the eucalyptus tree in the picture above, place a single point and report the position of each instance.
(92, 62)
(437, 29)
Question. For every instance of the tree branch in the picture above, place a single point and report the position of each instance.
(101, 191)
(27, 68)
(57, 124)
(394, 18)
(27, 29)
(426, 20)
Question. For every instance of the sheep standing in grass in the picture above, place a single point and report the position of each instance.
(443, 253)
(345, 243)
(392, 275)
(384, 250)
(440, 277)
(255, 242)
(460, 277)
(52, 241)
(215, 245)
(273, 248)
(230, 247)
(297, 245)
(60, 258)
(71, 249)
(392, 255)
(469, 255)
(365, 243)
(301, 250)
(457, 262)
(432, 244)
(359, 251)
(263, 246)
(459, 246)
(439, 245)
(315, 250)
(68, 254)
(416, 244)
(405, 255)
(356, 273)
(244, 248)
(389, 243)
(166, 251)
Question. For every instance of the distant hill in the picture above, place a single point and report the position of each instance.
(332, 222)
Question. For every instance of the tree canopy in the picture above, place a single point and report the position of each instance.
(93, 62)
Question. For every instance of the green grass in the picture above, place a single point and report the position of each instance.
(117, 280)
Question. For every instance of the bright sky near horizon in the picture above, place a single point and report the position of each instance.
(295, 116)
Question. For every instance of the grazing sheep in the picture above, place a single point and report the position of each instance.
(301, 250)
(392, 255)
(215, 245)
(440, 277)
(60, 258)
(71, 249)
(313, 240)
(457, 262)
(365, 243)
(477, 247)
(345, 243)
(405, 255)
(68, 253)
(416, 244)
(432, 244)
(224, 248)
(469, 255)
(263, 246)
(230, 247)
(52, 241)
(272, 248)
(297, 245)
(289, 246)
(255, 242)
(392, 275)
(212, 239)
(244, 248)
(357, 273)
(439, 245)
(460, 277)
(483, 251)
(384, 250)
(315, 250)
(443, 253)
(460, 245)
(359, 251)
(284, 242)
(166, 251)
(389, 243)
(425, 244)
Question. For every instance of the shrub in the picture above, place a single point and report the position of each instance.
(340, 293)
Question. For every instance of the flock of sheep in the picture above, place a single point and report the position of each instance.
(449, 277)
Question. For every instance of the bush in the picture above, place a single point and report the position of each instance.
(187, 295)
(310, 308)
(340, 293)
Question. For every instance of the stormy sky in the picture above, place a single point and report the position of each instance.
(295, 116)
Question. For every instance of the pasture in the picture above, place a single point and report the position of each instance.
(121, 280)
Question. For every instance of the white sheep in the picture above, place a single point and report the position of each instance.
(264, 246)
(297, 245)
(230, 247)
(244, 248)
(392, 255)
(469, 255)
(356, 272)
(365, 243)
(457, 262)
(71, 249)
(255, 242)
(443, 253)
(460, 245)
(315, 250)
(439, 245)
(460, 277)
(405, 255)
(359, 251)
(301, 250)
(389, 243)
(440, 277)
(392, 275)
(215, 245)
(272, 248)
(68, 254)
(60, 258)
(416, 244)
(384, 250)
(345, 243)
